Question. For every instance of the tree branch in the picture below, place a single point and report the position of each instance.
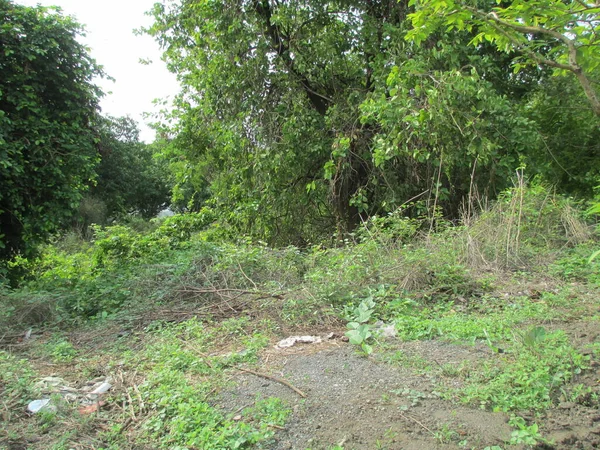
(262, 8)
(500, 26)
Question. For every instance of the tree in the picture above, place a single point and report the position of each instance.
(48, 106)
(555, 33)
(306, 117)
(130, 180)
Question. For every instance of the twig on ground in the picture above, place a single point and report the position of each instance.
(276, 379)
(124, 427)
(139, 396)
(418, 423)
(239, 410)
(131, 410)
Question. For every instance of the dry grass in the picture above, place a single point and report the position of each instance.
(520, 228)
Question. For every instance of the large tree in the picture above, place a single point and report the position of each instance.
(307, 115)
(48, 105)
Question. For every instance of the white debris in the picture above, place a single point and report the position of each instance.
(90, 393)
(389, 331)
(37, 405)
(104, 387)
(293, 340)
(51, 384)
(385, 331)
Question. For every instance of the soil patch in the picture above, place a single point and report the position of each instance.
(360, 403)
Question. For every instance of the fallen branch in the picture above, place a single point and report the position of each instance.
(418, 423)
(238, 291)
(277, 380)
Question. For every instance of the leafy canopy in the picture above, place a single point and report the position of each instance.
(298, 119)
(555, 33)
(48, 104)
(130, 180)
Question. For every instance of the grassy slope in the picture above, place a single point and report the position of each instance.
(170, 314)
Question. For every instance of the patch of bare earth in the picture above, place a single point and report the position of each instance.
(360, 403)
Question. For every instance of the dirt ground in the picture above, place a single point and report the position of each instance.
(361, 403)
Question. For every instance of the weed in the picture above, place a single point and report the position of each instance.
(525, 434)
(452, 370)
(17, 381)
(415, 397)
(182, 417)
(445, 434)
(400, 358)
(576, 265)
(60, 350)
(526, 378)
(359, 331)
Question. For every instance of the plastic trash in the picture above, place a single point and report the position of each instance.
(103, 388)
(37, 405)
(293, 340)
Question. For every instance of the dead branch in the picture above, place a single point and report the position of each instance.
(277, 380)
(418, 423)
(237, 291)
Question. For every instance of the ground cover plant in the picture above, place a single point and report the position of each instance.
(489, 324)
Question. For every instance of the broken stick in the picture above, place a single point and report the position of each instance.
(278, 380)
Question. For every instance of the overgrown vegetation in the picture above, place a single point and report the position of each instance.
(195, 308)
(394, 174)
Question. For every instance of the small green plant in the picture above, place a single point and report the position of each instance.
(413, 395)
(17, 381)
(525, 378)
(525, 434)
(61, 350)
(359, 331)
(533, 337)
(445, 434)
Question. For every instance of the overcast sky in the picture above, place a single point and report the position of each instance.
(110, 25)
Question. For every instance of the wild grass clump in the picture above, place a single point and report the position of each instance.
(17, 387)
(25, 309)
(530, 378)
(521, 228)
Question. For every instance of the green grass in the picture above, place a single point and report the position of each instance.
(525, 377)
(181, 380)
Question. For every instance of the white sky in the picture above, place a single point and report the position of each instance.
(109, 34)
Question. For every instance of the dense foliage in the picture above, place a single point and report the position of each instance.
(299, 118)
(388, 124)
(130, 180)
(48, 104)
(554, 33)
